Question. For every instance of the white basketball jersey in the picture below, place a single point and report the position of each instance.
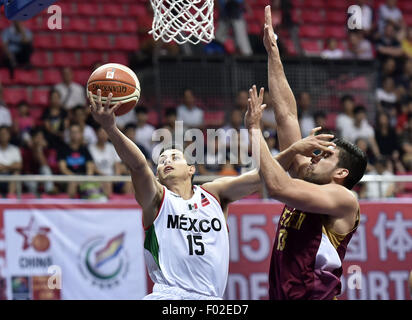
(187, 246)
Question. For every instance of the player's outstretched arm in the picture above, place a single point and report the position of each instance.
(148, 191)
(331, 199)
(281, 95)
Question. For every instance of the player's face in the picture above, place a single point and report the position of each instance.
(322, 168)
(172, 164)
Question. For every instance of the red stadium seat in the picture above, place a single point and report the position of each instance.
(129, 25)
(40, 97)
(72, 41)
(338, 5)
(254, 28)
(290, 47)
(114, 10)
(408, 19)
(12, 96)
(405, 6)
(107, 25)
(310, 47)
(311, 32)
(26, 77)
(88, 9)
(48, 41)
(81, 76)
(331, 120)
(99, 42)
(80, 25)
(51, 76)
(314, 4)
(336, 17)
(336, 32)
(153, 118)
(137, 10)
(40, 59)
(5, 77)
(214, 118)
(63, 59)
(312, 16)
(118, 58)
(88, 58)
(129, 43)
(68, 8)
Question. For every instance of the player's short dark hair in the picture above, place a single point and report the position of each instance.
(353, 159)
(175, 146)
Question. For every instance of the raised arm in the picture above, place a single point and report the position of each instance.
(148, 191)
(281, 95)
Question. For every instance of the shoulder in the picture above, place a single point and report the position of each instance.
(345, 199)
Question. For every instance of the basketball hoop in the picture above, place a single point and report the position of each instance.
(183, 21)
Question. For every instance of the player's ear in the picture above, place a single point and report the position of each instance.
(341, 173)
(192, 169)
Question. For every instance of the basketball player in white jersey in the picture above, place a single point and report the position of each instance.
(186, 244)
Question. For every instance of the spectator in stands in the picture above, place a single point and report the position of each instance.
(345, 118)
(74, 158)
(17, 46)
(105, 158)
(360, 128)
(406, 144)
(55, 120)
(188, 112)
(130, 132)
(385, 135)
(386, 96)
(332, 51)
(362, 144)
(388, 45)
(241, 100)
(272, 142)
(39, 158)
(144, 130)
(375, 190)
(321, 121)
(5, 115)
(231, 16)
(404, 80)
(407, 43)
(388, 70)
(213, 159)
(358, 47)
(232, 128)
(122, 121)
(71, 93)
(307, 123)
(24, 122)
(389, 13)
(170, 120)
(79, 116)
(10, 160)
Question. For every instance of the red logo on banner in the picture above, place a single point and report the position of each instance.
(35, 236)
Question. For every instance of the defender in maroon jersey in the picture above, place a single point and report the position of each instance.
(321, 213)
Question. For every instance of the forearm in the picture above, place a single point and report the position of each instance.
(127, 149)
(16, 166)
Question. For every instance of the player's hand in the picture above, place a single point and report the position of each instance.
(104, 115)
(254, 109)
(269, 37)
(312, 143)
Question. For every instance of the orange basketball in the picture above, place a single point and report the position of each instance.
(118, 79)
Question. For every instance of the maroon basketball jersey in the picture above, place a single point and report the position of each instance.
(307, 257)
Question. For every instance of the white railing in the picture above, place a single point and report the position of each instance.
(20, 179)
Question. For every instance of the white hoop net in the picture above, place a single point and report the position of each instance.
(183, 21)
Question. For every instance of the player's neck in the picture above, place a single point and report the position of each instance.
(185, 189)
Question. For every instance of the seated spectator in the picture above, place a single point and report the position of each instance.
(332, 51)
(241, 101)
(376, 190)
(10, 160)
(406, 144)
(79, 116)
(306, 121)
(268, 117)
(388, 12)
(170, 120)
(75, 158)
(385, 135)
(386, 96)
(320, 121)
(362, 144)
(345, 118)
(123, 120)
(360, 128)
(55, 120)
(144, 130)
(24, 122)
(388, 70)
(272, 142)
(17, 46)
(39, 158)
(231, 131)
(228, 169)
(404, 80)
(358, 47)
(188, 112)
(214, 159)
(367, 17)
(130, 132)
(231, 16)
(407, 43)
(388, 45)
(71, 93)
(5, 115)
(105, 158)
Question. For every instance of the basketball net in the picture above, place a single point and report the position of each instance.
(183, 21)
